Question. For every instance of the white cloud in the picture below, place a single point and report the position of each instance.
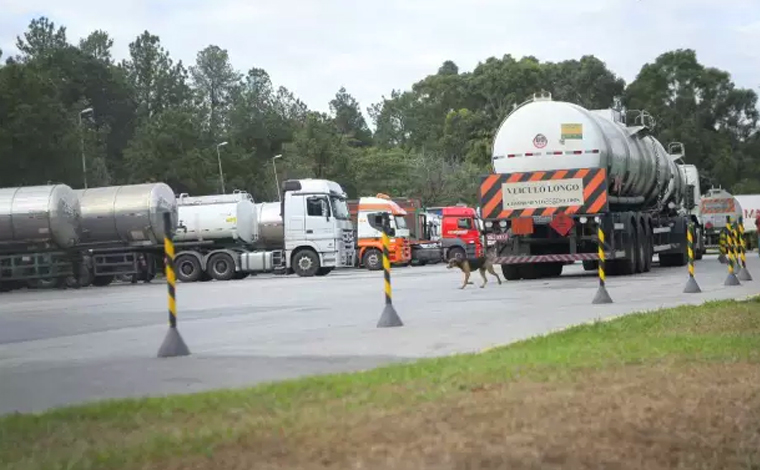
(371, 46)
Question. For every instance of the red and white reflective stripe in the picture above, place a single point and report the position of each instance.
(547, 258)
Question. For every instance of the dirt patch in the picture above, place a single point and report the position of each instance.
(656, 417)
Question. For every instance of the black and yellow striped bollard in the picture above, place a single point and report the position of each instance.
(744, 274)
(691, 285)
(173, 344)
(602, 296)
(731, 279)
(722, 244)
(389, 317)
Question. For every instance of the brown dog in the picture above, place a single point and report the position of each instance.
(482, 264)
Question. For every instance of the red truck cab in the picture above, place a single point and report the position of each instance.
(460, 233)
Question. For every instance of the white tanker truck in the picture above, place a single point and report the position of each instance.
(230, 236)
(561, 170)
(51, 234)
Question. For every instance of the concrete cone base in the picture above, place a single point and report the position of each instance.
(744, 275)
(389, 318)
(722, 259)
(602, 296)
(691, 286)
(173, 345)
(732, 280)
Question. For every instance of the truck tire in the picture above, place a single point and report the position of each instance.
(373, 259)
(641, 249)
(187, 268)
(324, 271)
(511, 272)
(102, 281)
(221, 267)
(305, 263)
(590, 265)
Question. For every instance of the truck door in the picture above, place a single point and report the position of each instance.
(320, 222)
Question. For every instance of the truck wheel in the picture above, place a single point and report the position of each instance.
(511, 272)
(641, 249)
(457, 253)
(102, 281)
(590, 265)
(372, 260)
(187, 268)
(221, 267)
(305, 263)
(324, 271)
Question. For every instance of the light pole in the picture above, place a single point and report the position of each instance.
(276, 181)
(219, 159)
(81, 144)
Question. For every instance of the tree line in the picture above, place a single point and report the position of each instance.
(152, 118)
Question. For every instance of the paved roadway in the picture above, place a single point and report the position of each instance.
(67, 347)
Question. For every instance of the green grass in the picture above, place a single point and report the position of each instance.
(131, 433)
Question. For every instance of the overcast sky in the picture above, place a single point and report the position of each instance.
(314, 47)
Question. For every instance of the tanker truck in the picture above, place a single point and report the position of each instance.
(122, 229)
(560, 171)
(230, 236)
(717, 206)
(54, 235)
(40, 227)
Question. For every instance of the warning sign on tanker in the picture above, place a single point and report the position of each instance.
(540, 194)
(572, 131)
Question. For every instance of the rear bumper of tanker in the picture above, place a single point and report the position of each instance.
(528, 226)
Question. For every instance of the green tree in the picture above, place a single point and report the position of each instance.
(215, 82)
(349, 120)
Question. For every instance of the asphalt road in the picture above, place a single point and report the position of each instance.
(68, 347)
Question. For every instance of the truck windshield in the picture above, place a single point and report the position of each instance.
(400, 221)
(339, 208)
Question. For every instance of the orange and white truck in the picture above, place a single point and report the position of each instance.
(369, 243)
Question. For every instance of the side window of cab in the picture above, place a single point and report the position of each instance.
(464, 223)
(317, 207)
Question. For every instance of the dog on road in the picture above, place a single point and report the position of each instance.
(468, 265)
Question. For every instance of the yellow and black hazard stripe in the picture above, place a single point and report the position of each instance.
(594, 193)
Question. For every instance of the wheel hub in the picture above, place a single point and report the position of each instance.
(304, 263)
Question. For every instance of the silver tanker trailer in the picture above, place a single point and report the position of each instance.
(40, 227)
(230, 236)
(561, 170)
(123, 229)
(51, 235)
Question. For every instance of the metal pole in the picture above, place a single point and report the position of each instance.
(276, 180)
(81, 146)
(221, 175)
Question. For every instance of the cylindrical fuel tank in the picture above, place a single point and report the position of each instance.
(545, 135)
(217, 217)
(40, 215)
(271, 230)
(130, 214)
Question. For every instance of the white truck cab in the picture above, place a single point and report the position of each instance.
(316, 222)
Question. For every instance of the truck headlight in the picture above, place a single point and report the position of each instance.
(489, 224)
(503, 223)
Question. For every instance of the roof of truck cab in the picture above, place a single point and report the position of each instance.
(377, 204)
(312, 185)
(458, 211)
